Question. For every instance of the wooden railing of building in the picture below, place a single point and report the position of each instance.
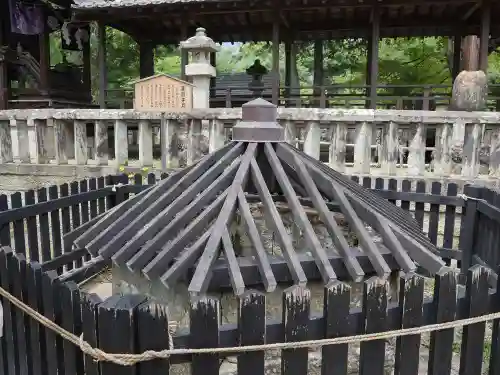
(417, 97)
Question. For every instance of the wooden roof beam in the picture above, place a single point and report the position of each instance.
(471, 11)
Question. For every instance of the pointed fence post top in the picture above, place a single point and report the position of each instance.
(259, 123)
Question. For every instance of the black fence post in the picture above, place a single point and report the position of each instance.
(468, 230)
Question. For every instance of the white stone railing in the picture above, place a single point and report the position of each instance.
(380, 142)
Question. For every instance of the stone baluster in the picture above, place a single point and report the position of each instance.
(145, 143)
(337, 149)
(38, 134)
(121, 142)
(5, 142)
(494, 169)
(442, 154)
(81, 142)
(64, 141)
(169, 134)
(312, 141)
(389, 154)
(50, 144)
(290, 132)
(362, 148)
(101, 142)
(416, 152)
(194, 146)
(20, 140)
(216, 135)
(470, 159)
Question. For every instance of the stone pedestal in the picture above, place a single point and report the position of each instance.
(199, 69)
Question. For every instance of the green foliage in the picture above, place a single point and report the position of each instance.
(414, 61)
(402, 61)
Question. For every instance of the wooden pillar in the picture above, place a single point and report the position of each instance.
(457, 55)
(4, 91)
(288, 71)
(44, 48)
(276, 61)
(368, 70)
(318, 70)
(373, 56)
(101, 55)
(184, 54)
(4, 81)
(87, 73)
(213, 62)
(471, 52)
(146, 59)
(485, 35)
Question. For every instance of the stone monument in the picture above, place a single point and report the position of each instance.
(199, 69)
(470, 90)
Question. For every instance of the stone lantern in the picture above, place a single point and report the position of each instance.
(256, 71)
(199, 69)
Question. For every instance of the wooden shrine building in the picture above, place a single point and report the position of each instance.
(27, 79)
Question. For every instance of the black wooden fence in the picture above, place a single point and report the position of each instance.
(134, 323)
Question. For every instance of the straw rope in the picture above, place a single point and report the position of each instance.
(125, 359)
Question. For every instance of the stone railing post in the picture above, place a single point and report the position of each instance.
(145, 143)
(194, 151)
(5, 142)
(363, 148)
(337, 149)
(416, 152)
(216, 135)
(64, 141)
(101, 142)
(169, 133)
(81, 142)
(38, 130)
(121, 142)
(442, 155)
(20, 140)
(389, 154)
(312, 141)
(290, 132)
(470, 158)
(494, 169)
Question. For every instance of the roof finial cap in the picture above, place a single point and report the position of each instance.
(259, 123)
(259, 110)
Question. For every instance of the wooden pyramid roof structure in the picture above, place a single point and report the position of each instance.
(181, 227)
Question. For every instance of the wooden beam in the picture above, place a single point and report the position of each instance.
(314, 28)
(485, 35)
(471, 11)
